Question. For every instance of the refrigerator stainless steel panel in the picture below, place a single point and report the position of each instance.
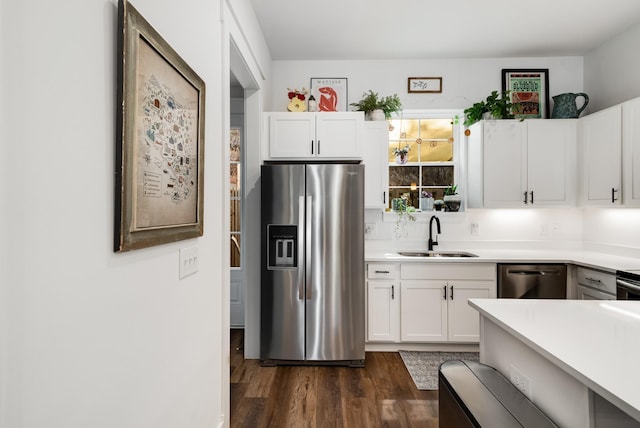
(313, 263)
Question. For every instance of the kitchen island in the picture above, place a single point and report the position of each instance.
(576, 360)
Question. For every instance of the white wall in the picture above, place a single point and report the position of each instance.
(611, 71)
(91, 338)
(464, 81)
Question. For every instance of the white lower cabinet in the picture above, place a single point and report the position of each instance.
(383, 302)
(427, 302)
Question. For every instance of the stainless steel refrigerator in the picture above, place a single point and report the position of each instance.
(312, 283)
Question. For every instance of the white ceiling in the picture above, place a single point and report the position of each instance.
(410, 29)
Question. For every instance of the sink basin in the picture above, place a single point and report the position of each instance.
(436, 254)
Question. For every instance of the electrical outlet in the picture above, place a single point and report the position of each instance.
(521, 381)
(369, 230)
(189, 260)
(475, 229)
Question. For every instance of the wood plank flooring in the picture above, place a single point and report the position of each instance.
(382, 394)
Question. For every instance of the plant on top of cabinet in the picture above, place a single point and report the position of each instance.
(498, 105)
(371, 101)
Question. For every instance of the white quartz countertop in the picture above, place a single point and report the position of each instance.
(592, 259)
(596, 342)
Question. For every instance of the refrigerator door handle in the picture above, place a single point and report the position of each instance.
(301, 278)
(308, 243)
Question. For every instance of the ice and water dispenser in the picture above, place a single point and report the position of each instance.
(283, 244)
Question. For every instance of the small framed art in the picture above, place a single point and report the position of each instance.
(330, 93)
(529, 91)
(424, 85)
(160, 139)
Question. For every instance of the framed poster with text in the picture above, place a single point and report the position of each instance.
(529, 91)
(330, 93)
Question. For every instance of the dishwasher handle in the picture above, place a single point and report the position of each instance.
(535, 272)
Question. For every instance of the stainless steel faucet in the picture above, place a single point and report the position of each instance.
(431, 242)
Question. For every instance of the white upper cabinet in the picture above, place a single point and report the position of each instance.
(335, 135)
(631, 152)
(522, 163)
(375, 154)
(601, 158)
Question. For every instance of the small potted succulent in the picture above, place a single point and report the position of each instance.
(452, 200)
(438, 204)
(376, 107)
(426, 201)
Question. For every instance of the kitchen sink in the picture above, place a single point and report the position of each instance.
(436, 254)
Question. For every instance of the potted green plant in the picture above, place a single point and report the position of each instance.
(371, 102)
(401, 154)
(405, 213)
(496, 106)
(451, 198)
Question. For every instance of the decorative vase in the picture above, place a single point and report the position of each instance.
(426, 204)
(375, 115)
(401, 158)
(564, 105)
(452, 202)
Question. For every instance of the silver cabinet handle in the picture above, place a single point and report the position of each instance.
(593, 280)
(382, 271)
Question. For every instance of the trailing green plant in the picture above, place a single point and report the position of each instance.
(372, 101)
(405, 215)
(499, 105)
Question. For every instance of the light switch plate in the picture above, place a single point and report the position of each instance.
(189, 260)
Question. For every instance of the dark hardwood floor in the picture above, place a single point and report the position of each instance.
(382, 394)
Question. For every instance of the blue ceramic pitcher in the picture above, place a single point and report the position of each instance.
(564, 106)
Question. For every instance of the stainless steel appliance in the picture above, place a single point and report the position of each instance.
(312, 284)
(526, 281)
(628, 285)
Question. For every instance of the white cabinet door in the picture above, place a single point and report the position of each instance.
(423, 315)
(383, 311)
(463, 320)
(375, 144)
(631, 152)
(338, 135)
(551, 162)
(291, 135)
(601, 141)
(505, 163)
(315, 135)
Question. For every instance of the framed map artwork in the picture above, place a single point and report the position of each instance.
(529, 91)
(160, 144)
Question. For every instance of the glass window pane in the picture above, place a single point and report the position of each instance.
(436, 192)
(235, 215)
(234, 145)
(394, 129)
(440, 129)
(403, 175)
(411, 129)
(436, 151)
(235, 250)
(234, 179)
(437, 175)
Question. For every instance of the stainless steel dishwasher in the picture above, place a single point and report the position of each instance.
(525, 281)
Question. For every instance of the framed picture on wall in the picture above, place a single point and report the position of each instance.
(330, 93)
(424, 85)
(160, 139)
(529, 91)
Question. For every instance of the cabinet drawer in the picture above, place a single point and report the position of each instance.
(448, 271)
(382, 270)
(595, 279)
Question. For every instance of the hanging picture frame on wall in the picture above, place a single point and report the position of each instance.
(529, 91)
(160, 139)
